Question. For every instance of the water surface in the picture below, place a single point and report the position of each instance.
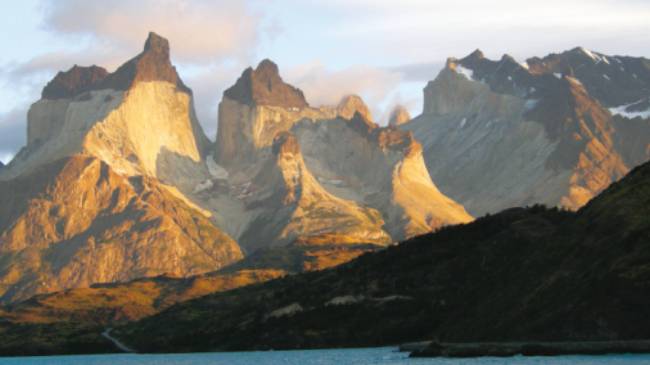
(372, 356)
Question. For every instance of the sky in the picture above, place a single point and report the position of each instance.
(385, 51)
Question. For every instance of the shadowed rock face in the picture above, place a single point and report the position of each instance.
(498, 134)
(264, 86)
(73, 82)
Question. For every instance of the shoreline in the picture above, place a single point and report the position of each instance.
(532, 348)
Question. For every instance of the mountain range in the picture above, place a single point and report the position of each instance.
(556, 130)
(120, 211)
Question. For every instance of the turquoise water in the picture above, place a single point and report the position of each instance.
(378, 356)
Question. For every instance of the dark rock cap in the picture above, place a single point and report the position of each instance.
(153, 64)
(75, 81)
(264, 86)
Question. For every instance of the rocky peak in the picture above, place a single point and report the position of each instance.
(473, 59)
(76, 80)
(153, 64)
(157, 44)
(352, 104)
(264, 86)
(399, 115)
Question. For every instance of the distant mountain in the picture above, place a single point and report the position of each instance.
(523, 274)
(90, 198)
(556, 130)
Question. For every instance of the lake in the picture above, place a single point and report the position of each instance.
(372, 356)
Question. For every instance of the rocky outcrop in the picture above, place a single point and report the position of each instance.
(498, 134)
(264, 86)
(398, 116)
(76, 222)
(73, 82)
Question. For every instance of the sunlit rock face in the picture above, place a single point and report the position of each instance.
(98, 194)
(132, 118)
(351, 169)
(498, 134)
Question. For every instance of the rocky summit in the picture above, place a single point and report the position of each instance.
(556, 130)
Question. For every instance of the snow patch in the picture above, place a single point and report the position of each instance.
(289, 310)
(462, 122)
(606, 77)
(523, 64)
(344, 300)
(510, 78)
(557, 75)
(594, 56)
(469, 74)
(622, 111)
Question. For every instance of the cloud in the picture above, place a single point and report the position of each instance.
(199, 31)
(323, 86)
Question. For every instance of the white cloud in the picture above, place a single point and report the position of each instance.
(323, 86)
(199, 31)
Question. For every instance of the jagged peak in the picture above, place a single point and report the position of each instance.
(152, 64)
(267, 67)
(156, 43)
(264, 86)
(78, 79)
(476, 55)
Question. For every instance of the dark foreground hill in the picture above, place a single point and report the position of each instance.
(533, 274)
(523, 274)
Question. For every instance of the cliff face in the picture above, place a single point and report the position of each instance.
(99, 192)
(498, 134)
(112, 116)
